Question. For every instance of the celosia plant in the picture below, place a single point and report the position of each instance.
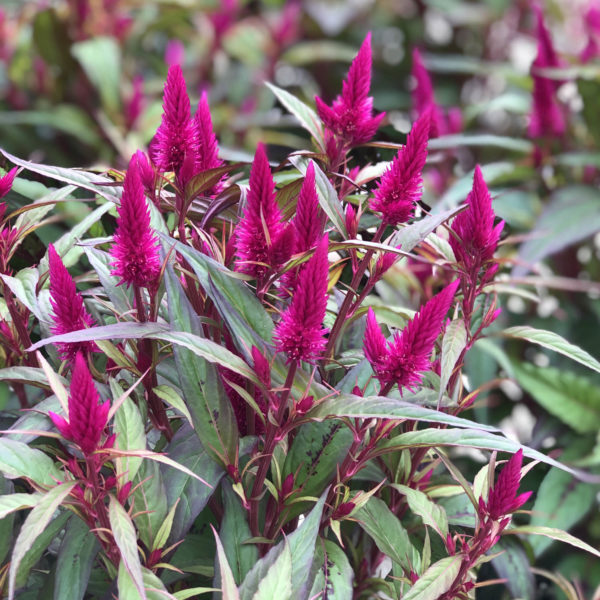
(289, 351)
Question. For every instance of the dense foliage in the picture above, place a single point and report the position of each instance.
(317, 318)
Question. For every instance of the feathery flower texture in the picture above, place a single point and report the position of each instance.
(68, 309)
(350, 117)
(135, 251)
(300, 333)
(475, 227)
(407, 356)
(208, 149)
(401, 185)
(87, 418)
(260, 229)
(175, 136)
(6, 182)
(503, 498)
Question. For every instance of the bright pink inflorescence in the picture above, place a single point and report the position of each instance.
(350, 117)
(477, 236)
(135, 250)
(300, 333)
(208, 149)
(6, 182)
(259, 232)
(69, 312)
(87, 418)
(546, 116)
(407, 357)
(401, 185)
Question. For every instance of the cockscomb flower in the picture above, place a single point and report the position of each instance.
(423, 98)
(69, 312)
(477, 235)
(208, 149)
(175, 136)
(350, 117)
(401, 185)
(135, 249)
(407, 356)
(300, 333)
(6, 182)
(260, 226)
(502, 497)
(134, 104)
(546, 116)
(87, 418)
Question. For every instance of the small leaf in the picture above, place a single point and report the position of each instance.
(553, 341)
(420, 504)
(131, 435)
(14, 502)
(126, 539)
(34, 525)
(454, 342)
(228, 587)
(436, 580)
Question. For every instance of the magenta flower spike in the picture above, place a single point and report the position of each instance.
(350, 117)
(308, 221)
(407, 356)
(260, 227)
(135, 249)
(87, 418)
(503, 498)
(135, 103)
(208, 148)
(6, 182)
(300, 333)
(401, 185)
(175, 136)
(478, 238)
(69, 312)
(423, 97)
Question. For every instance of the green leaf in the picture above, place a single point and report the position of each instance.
(336, 576)
(126, 539)
(433, 515)
(513, 566)
(13, 502)
(387, 532)
(100, 58)
(277, 583)
(131, 435)
(573, 399)
(554, 534)
(155, 588)
(150, 500)
(454, 342)
(19, 460)
(560, 503)
(436, 580)
(553, 341)
(228, 587)
(307, 117)
(34, 525)
(349, 405)
(212, 414)
(29, 375)
(302, 547)
(234, 532)
(23, 286)
(74, 562)
(449, 142)
(117, 294)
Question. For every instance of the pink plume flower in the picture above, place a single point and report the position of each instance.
(407, 356)
(350, 117)
(6, 182)
(546, 116)
(478, 238)
(308, 220)
(135, 103)
(174, 53)
(175, 136)
(146, 171)
(300, 333)
(260, 227)
(135, 249)
(69, 312)
(401, 185)
(503, 498)
(87, 418)
(423, 97)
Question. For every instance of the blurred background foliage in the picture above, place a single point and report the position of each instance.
(81, 85)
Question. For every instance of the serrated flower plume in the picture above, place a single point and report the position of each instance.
(350, 117)
(477, 235)
(259, 230)
(68, 310)
(423, 98)
(401, 185)
(175, 136)
(300, 332)
(407, 356)
(135, 250)
(208, 148)
(6, 182)
(87, 418)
